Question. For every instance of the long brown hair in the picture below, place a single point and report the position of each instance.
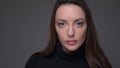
(93, 52)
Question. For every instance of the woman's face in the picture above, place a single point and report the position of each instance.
(71, 26)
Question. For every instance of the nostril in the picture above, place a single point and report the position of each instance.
(71, 33)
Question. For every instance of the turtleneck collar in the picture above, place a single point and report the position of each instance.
(73, 56)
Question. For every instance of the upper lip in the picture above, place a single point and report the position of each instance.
(71, 40)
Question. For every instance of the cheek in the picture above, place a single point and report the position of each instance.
(80, 34)
(61, 33)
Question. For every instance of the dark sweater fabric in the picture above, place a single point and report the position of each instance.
(59, 59)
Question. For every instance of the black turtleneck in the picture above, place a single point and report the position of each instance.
(60, 59)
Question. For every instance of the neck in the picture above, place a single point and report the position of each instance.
(73, 56)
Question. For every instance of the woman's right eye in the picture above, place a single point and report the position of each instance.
(61, 24)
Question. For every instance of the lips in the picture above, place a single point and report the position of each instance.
(71, 42)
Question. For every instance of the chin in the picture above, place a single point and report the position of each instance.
(71, 49)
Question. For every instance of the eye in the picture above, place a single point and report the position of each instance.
(79, 24)
(61, 24)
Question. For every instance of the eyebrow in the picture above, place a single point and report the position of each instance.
(74, 21)
(79, 19)
(62, 20)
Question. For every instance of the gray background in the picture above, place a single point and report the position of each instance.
(24, 29)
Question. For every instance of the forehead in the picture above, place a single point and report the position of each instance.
(70, 11)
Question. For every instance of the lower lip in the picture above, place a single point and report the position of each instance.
(71, 42)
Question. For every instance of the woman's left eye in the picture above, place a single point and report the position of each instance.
(79, 24)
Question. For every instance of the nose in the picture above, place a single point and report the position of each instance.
(71, 32)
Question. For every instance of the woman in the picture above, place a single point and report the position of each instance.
(73, 41)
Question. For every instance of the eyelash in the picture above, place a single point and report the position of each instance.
(79, 24)
(61, 24)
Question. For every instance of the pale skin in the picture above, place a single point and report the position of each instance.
(71, 26)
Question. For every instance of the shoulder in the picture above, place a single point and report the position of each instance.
(34, 60)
